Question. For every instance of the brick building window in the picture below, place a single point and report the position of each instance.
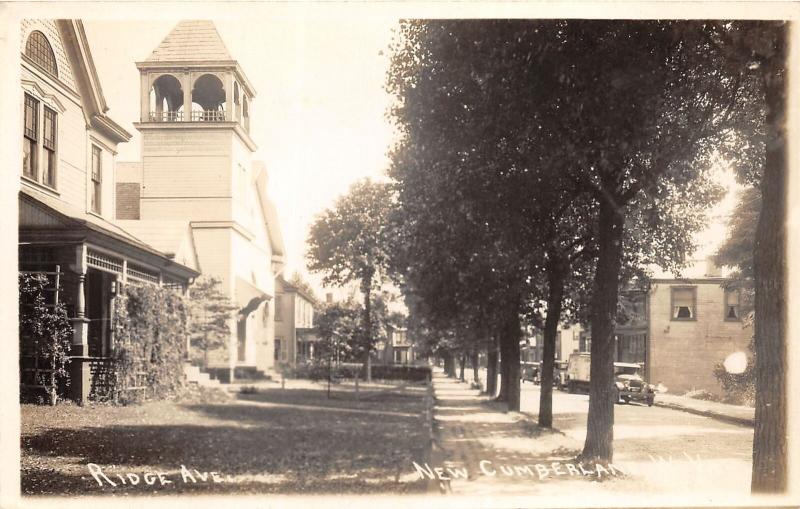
(684, 303)
(39, 50)
(732, 305)
(97, 178)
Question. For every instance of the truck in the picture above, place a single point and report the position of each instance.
(577, 377)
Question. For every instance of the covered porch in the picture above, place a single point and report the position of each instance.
(91, 263)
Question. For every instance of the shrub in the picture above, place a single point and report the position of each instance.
(407, 373)
(739, 388)
(45, 336)
(150, 342)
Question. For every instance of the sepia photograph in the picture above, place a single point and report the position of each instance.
(280, 254)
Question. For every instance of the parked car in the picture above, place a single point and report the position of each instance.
(560, 375)
(629, 384)
(529, 371)
(577, 377)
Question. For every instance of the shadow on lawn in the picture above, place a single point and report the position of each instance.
(270, 449)
(394, 400)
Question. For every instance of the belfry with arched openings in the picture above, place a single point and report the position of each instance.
(190, 77)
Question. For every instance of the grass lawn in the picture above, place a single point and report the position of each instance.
(293, 440)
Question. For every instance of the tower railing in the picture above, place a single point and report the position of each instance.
(197, 116)
(208, 116)
(166, 116)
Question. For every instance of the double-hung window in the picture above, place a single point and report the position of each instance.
(39, 142)
(49, 144)
(732, 305)
(684, 303)
(97, 179)
(30, 139)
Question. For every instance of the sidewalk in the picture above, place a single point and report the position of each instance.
(483, 450)
(730, 413)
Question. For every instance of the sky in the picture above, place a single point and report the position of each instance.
(319, 115)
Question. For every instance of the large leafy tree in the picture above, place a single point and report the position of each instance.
(348, 243)
(757, 52)
(622, 120)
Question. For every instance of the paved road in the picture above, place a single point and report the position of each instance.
(646, 433)
(663, 452)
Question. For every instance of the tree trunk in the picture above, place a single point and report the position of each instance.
(463, 361)
(769, 264)
(513, 335)
(491, 369)
(555, 276)
(450, 364)
(600, 421)
(476, 376)
(366, 287)
(505, 355)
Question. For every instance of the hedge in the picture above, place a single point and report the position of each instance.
(319, 371)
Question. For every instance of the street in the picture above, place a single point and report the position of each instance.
(656, 449)
(642, 433)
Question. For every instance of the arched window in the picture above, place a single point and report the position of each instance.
(209, 94)
(39, 50)
(166, 98)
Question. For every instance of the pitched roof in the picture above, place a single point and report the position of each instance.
(191, 41)
(171, 237)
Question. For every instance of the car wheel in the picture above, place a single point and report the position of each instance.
(616, 395)
(571, 387)
(626, 400)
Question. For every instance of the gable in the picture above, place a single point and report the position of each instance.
(50, 30)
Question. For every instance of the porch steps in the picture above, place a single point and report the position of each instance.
(195, 376)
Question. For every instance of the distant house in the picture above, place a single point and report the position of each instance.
(692, 325)
(398, 348)
(67, 199)
(295, 337)
(198, 193)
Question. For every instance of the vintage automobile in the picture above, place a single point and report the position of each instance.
(629, 384)
(559, 374)
(529, 371)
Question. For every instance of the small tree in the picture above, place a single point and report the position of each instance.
(347, 243)
(211, 311)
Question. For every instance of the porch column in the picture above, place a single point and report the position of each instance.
(79, 371)
(228, 84)
(186, 84)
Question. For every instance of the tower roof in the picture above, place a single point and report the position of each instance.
(191, 41)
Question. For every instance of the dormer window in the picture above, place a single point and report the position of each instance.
(38, 49)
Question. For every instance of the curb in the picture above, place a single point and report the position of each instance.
(433, 486)
(731, 419)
